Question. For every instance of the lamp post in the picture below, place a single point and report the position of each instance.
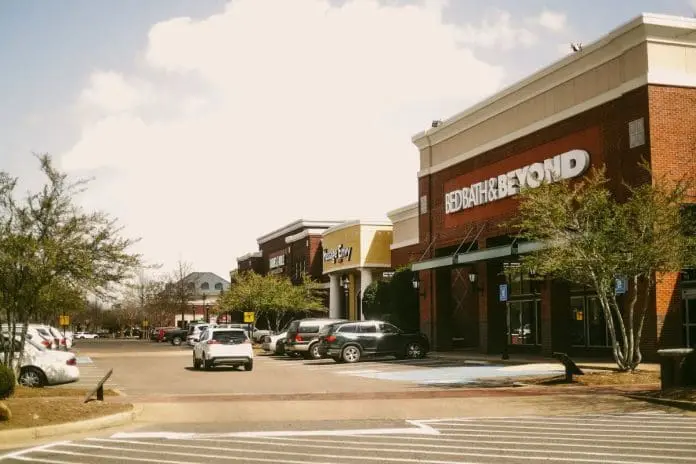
(344, 284)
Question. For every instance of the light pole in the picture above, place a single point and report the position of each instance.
(344, 284)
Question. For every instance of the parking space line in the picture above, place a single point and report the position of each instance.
(119, 458)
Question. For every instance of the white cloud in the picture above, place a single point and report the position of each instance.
(553, 21)
(303, 113)
(497, 32)
(109, 91)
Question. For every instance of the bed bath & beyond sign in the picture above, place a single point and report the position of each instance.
(564, 166)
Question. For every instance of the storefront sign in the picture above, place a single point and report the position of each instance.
(276, 261)
(564, 166)
(337, 254)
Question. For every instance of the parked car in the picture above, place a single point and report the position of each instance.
(175, 336)
(194, 332)
(42, 366)
(274, 343)
(301, 338)
(350, 342)
(85, 335)
(38, 331)
(218, 346)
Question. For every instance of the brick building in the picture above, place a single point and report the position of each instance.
(629, 95)
(251, 262)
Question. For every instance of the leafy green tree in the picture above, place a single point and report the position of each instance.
(47, 242)
(593, 239)
(271, 297)
(376, 299)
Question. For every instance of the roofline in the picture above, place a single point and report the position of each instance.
(358, 222)
(253, 254)
(403, 213)
(643, 19)
(293, 226)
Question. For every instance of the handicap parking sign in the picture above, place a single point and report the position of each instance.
(503, 292)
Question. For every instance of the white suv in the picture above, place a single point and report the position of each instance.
(218, 346)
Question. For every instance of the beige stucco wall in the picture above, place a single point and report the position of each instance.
(347, 237)
(406, 230)
(577, 90)
(369, 246)
(650, 49)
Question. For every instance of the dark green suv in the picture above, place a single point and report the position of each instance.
(351, 341)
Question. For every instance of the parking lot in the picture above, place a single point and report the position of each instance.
(625, 438)
(147, 368)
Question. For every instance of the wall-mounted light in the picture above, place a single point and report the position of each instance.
(344, 281)
(416, 283)
(473, 278)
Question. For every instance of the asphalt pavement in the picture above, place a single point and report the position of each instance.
(597, 438)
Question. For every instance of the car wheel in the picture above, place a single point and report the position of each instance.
(207, 364)
(196, 363)
(32, 377)
(314, 351)
(351, 354)
(414, 350)
(176, 341)
(249, 366)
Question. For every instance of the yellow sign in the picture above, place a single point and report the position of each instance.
(145, 323)
(64, 320)
(579, 316)
(248, 316)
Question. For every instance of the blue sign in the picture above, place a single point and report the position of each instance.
(503, 292)
(621, 284)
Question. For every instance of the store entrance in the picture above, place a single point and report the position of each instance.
(689, 320)
(463, 310)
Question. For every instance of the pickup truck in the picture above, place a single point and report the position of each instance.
(175, 336)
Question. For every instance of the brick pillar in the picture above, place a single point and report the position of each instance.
(484, 336)
(667, 329)
(426, 303)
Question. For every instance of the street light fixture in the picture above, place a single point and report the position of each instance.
(416, 283)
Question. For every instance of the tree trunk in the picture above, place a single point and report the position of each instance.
(644, 312)
(630, 350)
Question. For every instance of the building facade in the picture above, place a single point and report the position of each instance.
(204, 289)
(354, 254)
(630, 95)
(251, 262)
(406, 246)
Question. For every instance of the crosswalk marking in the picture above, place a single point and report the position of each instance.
(470, 439)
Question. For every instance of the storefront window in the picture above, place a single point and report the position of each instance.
(588, 324)
(524, 322)
(578, 320)
(690, 322)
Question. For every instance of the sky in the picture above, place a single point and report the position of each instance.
(208, 123)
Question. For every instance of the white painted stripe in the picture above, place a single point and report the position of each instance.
(459, 452)
(446, 431)
(553, 427)
(477, 418)
(579, 422)
(495, 432)
(117, 457)
(358, 372)
(419, 429)
(539, 444)
(280, 451)
(31, 450)
(584, 419)
(48, 461)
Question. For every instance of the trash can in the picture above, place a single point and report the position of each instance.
(675, 371)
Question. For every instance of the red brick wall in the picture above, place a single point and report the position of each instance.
(603, 131)
(406, 255)
(251, 264)
(672, 127)
(315, 263)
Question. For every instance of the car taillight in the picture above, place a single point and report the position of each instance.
(62, 341)
(331, 338)
(213, 342)
(46, 343)
(71, 362)
(298, 338)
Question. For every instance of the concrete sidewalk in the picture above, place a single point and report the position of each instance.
(583, 363)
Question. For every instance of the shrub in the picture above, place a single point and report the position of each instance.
(7, 382)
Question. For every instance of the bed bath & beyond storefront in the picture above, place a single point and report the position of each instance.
(629, 95)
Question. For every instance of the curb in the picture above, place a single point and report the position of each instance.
(28, 434)
(681, 404)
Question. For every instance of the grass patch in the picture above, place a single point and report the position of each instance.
(53, 392)
(37, 411)
(599, 378)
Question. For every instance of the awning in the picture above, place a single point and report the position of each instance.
(478, 255)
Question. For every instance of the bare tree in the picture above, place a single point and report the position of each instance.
(180, 290)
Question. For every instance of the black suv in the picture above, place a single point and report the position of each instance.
(350, 341)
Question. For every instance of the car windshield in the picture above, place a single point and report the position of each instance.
(229, 336)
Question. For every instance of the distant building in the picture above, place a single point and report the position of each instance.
(205, 289)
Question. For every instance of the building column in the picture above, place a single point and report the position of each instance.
(334, 296)
(365, 281)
